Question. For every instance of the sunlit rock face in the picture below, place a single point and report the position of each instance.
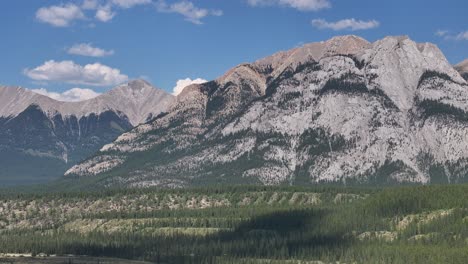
(344, 110)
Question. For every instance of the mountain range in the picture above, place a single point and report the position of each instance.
(40, 138)
(343, 111)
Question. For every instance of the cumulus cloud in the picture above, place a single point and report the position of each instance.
(69, 72)
(181, 84)
(187, 9)
(104, 13)
(86, 49)
(345, 24)
(302, 5)
(60, 16)
(63, 15)
(72, 95)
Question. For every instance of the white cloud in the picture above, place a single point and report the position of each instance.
(130, 3)
(59, 16)
(187, 9)
(72, 95)
(441, 33)
(105, 13)
(181, 84)
(345, 24)
(86, 49)
(63, 15)
(462, 36)
(302, 5)
(69, 72)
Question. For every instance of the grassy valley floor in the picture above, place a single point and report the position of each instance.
(423, 224)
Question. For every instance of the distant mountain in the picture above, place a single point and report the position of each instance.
(40, 138)
(462, 68)
(343, 110)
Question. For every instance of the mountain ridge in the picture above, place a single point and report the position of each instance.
(342, 110)
(16, 99)
(40, 138)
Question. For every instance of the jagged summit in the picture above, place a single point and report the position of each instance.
(406, 59)
(345, 45)
(397, 62)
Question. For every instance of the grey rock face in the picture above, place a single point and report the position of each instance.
(344, 110)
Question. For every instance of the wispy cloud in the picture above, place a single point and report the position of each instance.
(61, 15)
(462, 36)
(69, 72)
(447, 35)
(345, 24)
(181, 84)
(441, 33)
(302, 5)
(86, 49)
(72, 95)
(130, 3)
(187, 9)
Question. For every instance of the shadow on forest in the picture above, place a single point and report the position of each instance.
(281, 235)
(284, 234)
(301, 233)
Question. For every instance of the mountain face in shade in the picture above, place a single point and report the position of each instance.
(340, 111)
(40, 138)
(462, 68)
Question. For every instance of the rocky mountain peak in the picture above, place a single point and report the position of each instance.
(462, 68)
(340, 45)
(345, 45)
(397, 62)
(137, 84)
(462, 65)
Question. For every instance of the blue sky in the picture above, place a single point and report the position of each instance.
(95, 44)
